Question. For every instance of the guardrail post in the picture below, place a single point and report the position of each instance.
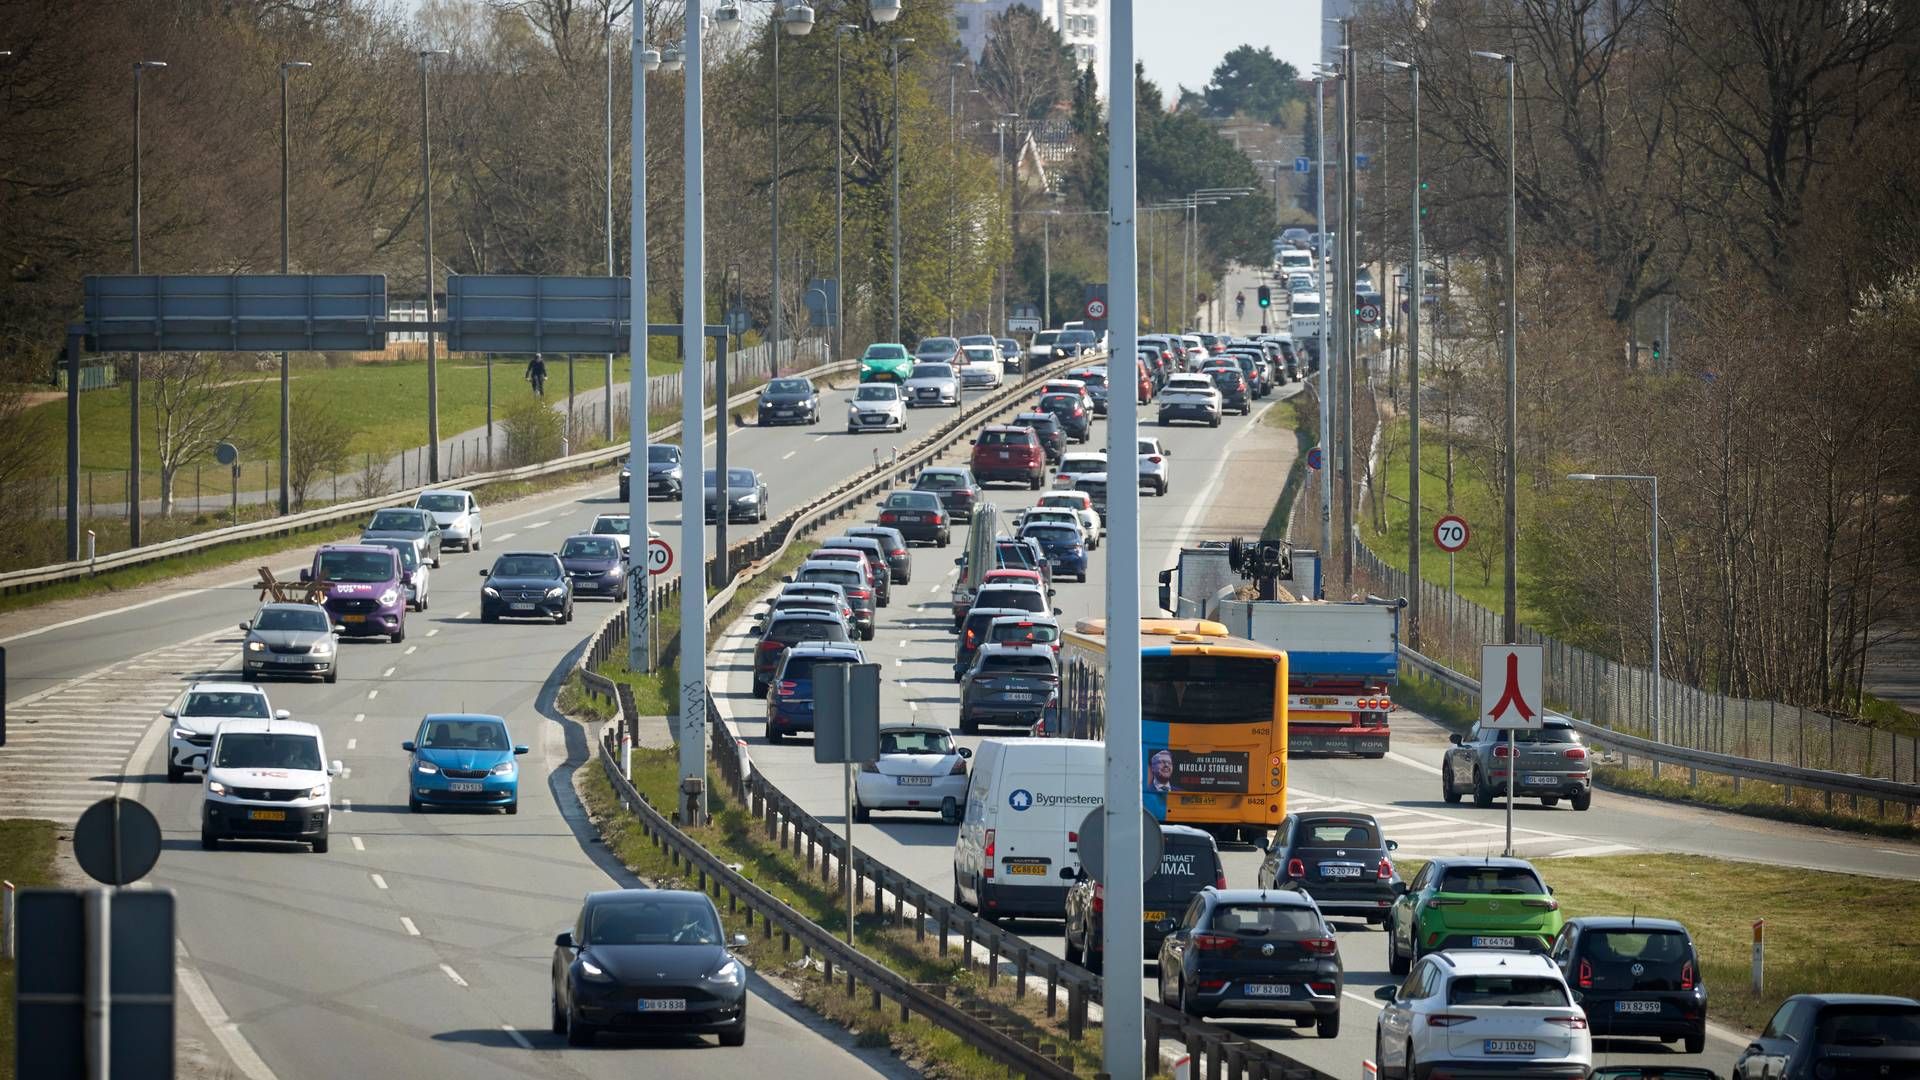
(993, 963)
(1020, 975)
(1053, 991)
(6, 920)
(943, 932)
(1153, 1037)
(1076, 1011)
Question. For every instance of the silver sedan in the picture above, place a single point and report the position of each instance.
(919, 768)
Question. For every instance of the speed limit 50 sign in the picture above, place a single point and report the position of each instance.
(1451, 533)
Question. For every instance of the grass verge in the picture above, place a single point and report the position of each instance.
(1304, 422)
(26, 859)
(736, 838)
(1802, 806)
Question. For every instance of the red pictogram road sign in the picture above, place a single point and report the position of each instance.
(1510, 690)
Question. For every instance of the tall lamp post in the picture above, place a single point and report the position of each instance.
(1659, 733)
(693, 330)
(893, 62)
(1510, 619)
(1416, 281)
(286, 259)
(640, 577)
(839, 195)
(133, 388)
(426, 196)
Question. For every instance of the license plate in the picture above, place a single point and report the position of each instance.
(916, 781)
(520, 607)
(1339, 871)
(1152, 916)
(873, 418)
(914, 518)
(1636, 1006)
(463, 785)
(1508, 1046)
(1540, 779)
(1004, 455)
(661, 1005)
(1493, 943)
(1020, 697)
(353, 618)
(266, 815)
(1027, 869)
(1269, 990)
(783, 412)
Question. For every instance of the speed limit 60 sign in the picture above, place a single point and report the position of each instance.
(1451, 533)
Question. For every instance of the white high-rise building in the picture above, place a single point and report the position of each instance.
(1083, 24)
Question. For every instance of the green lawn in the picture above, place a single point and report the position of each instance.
(26, 859)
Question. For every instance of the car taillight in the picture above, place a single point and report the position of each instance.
(1445, 901)
(959, 767)
(1586, 974)
(1576, 753)
(1385, 872)
(1501, 751)
(1571, 1023)
(898, 551)
(859, 594)
(1213, 942)
(1447, 1019)
(1211, 985)
(886, 517)
(1320, 946)
(1155, 458)
(1219, 879)
(939, 519)
(969, 641)
(1099, 900)
(771, 646)
(787, 687)
(989, 850)
(1686, 975)
(1296, 868)
(1546, 904)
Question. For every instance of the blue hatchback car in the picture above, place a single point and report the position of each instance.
(1065, 552)
(790, 696)
(462, 760)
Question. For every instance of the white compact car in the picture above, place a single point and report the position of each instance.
(876, 406)
(1074, 466)
(267, 780)
(1480, 1011)
(458, 515)
(200, 711)
(1155, 471)
(981, 367)
(1189, 397)
(617, 526)
(1081, 504)
(932, 383)
(919, 768)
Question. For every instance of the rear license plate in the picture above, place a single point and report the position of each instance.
(1493, 943)
(661, 1004)
(1027, 869)
(521, 607)
(916, 781)
(1021, 697)
(353, 618)
(463, 785)
(266, 815)
(1004, 455)
(1508, 1046)
(1540, 780)
(1636, 1006)
(1269, 990)
(1152, 916)
(1339, 871)
(913, 518)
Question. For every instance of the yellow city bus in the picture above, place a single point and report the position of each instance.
(1213, 720)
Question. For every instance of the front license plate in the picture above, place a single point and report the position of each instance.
(661, 1004)
(1540, 779)
(353, 618)
(1493, 943)
(520, 607)
(1269, 990)
(871, 418)
(1027, 869)
(783, 412)
(463, 785)
(1339, 871)
(266, 815)
(1508, 1046)
(1636, 1006)
(916, 781)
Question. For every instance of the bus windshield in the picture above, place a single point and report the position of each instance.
(1207, 689)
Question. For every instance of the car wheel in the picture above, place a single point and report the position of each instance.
(320, 844)
(423, 603)
(416, 806)
(175, 775)
(737, 1034)
(208, 841)
(1696, 1041)
(1447, 790)
(558, 1022)
(1396, 964)
(1328, 1027)
(1482, 794)
(1213, 422)
(1034, 483)
(950, 811)
(1583, 800)
(1186, 1006)
(579, 1034)
(1163, 489)
(1075, 954)
(474, 545)
(488, 616)
(861, 814)
(968, 725)
(1379, 1056)
(399, 635)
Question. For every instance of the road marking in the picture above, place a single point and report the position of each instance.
(454, 975)
(351, 742)
(346, 806)
(407, 925)
(410, 650)
(820, 438)
(1430, 770)
(788, 454)
(935, 590)
(379, 882)
(504, 538)
(1597, 849)
(359, 718)
(358, 845)
(433, 631)
(371, 694)
(463, 615)
(238, 1049)
(535, 525)
(1892, 851)
(913, 706)
(514, 1034)
(899, 661)
(387, 674)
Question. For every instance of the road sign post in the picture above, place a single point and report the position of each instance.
(1450, 534)
(659, 556)
(846, 729)
(1511, 699)
(1096, 308)
(95, 984)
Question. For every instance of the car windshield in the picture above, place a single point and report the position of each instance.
(1013, 599)
(834, 575)
(654, 922)
(806, 603)
(218, 703)
(1039, 633)
(526, 566)
(1868, 1025)
(915, 742)
(267, 750)
(300, 618)
(665, 454)
(982, 354)
(1046, 337)
(586, 547)
(735, 478)
(937, 345)
(395, 519)
(1261, 920)
(441, 503)
(886, 352)
(1492, 881)
(610, 526)
(1093, 378)
(789, 386)
(1053, 402)
(1074, 502)
(932, 371)
(877, 392)
(1306, 307)
(362, 567)
(1557, 736)
(463, 735)
(1006, 438)
(940, 481)
(409, 554)
(1516, 990)
(977, 339)
(789, 631)
(1207, 689)
(1338, 834)
(912, 500)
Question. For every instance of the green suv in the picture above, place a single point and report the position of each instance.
(1471, 904)
(886, 363)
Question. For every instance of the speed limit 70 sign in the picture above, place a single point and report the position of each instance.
(1451, 533)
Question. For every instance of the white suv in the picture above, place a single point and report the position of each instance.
(198, 713)
(267, 780)
(1155, 472)
(1480, 1011)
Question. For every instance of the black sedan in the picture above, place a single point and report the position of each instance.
(1232, 384)
(918, 515)
(1011, 356)
(959, 492)
(526, 585)
(648, 960)
(899, 559)
(1339, 859)
(1007, 685)
(1245, 952)
(595, 564)
(789, 401)
(746, 496)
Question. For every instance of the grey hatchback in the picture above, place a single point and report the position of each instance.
(407, 523)
(1551, 764)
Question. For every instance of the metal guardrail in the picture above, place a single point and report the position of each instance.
(36, 577)
(1789, 776)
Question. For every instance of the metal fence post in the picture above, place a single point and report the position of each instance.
(6, 920)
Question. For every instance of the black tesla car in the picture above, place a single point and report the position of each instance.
(648, 960)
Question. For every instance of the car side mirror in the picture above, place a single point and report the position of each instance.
(1056, 611)
(199, 763)
(334, 768)
(409, 746)
(1385, 993)
(1261, 843)
(563, 939)
(484, 573)
(336, 631)
(1400, 888)
(965, 752)
(959, 562)
(519, 750)
(788, 579)
(1455, 739)
(306, 575)
(281, 714)
(246, 626)
(171, 714)
(738, 941)
(758, 631)
(1393, 845)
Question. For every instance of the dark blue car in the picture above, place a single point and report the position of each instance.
(1062, 545)
(790, 696)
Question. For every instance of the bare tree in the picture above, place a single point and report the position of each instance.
(317, 443)
(195, 405)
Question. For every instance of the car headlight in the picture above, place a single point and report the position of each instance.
(730, 973)
(426, 768)
(591, 971)
(319, 792)
(505, 768)
(490, 591)
(323, 648)
(255, 646)
(616, 571)
(182, 733)
(556, 592)
(215, 787)
(389, 598)
(749, 497)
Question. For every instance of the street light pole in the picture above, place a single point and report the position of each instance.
(426, 195)
(286, 260)
(1416, 287)
(953, 138)
(133, 388)
(798, 21)
(693, 329)
(1349, 337)
(893, 61)
(608, 400)
(1510, 618)
(839, 195)
(640, 576)
(1325, 383)
(1659, 733)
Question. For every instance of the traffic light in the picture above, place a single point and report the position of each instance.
(1266, 297)
(1656, 351)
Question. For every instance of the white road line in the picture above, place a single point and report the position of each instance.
(913, 706)
(359, 718)
(454, 975)
(379, 882)
(788, 454)
(514, 1034)
(463, 615)
(407, 924)
(1893, 851)
(1597, 849)
(238, 1049)
(504, 538)
(346, 806)
(433, 631)
(387, 674)
(371, 694)
(410, 650)
(537, 525)
(351, 743)
(358, 844)
(820, 438)
(1430, 770)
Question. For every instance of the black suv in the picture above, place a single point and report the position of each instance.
(1339, 859)
(1244, 952)
(1189, 862)
(1007, 684)
(1053, 439)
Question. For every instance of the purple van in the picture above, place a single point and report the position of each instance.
(366, 595)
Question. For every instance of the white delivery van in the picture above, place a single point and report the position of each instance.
(1025, 803)
(1292, 259)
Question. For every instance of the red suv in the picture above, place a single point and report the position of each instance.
(1009, 453)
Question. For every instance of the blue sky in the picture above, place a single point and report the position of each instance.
(1180, 41)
